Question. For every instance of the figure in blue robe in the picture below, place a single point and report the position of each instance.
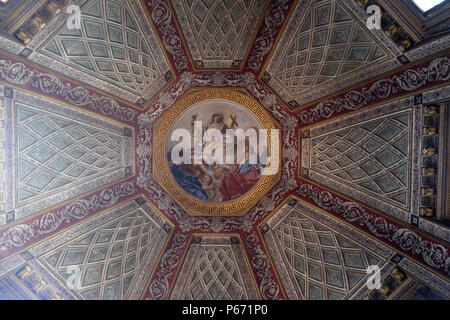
(188, 182)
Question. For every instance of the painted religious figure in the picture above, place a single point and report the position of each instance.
(216, 182)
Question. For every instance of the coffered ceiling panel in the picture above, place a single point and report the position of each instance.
(373, 156)
(318, 261)
(215, 268)
(112, 256)
(218, 33)
(109, 45)
(55, 153)
(108, 258)
(115, 44)
(384, 156)
(323, 43)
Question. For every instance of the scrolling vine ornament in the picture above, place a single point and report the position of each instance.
(437, 70)
(21, 234)
(432, 253)
(20, 74)
(162, 17)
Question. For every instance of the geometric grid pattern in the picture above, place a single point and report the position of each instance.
(109, 258)
(373, 156)
(215, 276)
(218, 26)
(329, 42)
(55, 153)
(109, 44)
(322, 264)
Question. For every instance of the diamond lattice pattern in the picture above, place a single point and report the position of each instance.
(109, 44)
(322, 264)
(328, 43)
(215, 276)
(56, 153)
(108, 259)
(218, 25)
(373, 157)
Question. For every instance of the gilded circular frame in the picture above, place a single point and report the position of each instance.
(189, 203)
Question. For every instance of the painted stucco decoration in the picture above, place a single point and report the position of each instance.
(435, 71)
(20, 74)
(21, 234)
(416, 79)
(163, 19)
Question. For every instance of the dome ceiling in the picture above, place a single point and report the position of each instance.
(90, 207)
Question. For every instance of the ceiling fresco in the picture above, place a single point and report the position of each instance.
(92, 207)
(216, 187)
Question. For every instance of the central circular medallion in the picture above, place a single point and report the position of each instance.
(213, 119)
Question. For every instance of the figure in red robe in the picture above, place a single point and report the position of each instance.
(235, 184)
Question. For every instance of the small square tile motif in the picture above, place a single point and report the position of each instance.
(236, 64)
(196, 240)
(415, 221)
(418, 99)
(293, 104)
(168, 76)
(140, 201)
(266, 78)
(10, 216)
(167, 228)
(403, 59)
(25, 52)
(264, 228)
(9, 92)
(397, 258)
(127, 132)
(234, 240)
